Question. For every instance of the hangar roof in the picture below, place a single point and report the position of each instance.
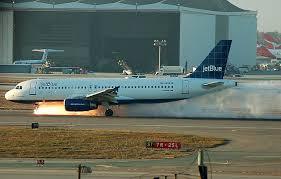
(210, 5)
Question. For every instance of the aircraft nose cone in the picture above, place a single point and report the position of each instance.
(8, 95)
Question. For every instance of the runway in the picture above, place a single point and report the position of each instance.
(253, 149)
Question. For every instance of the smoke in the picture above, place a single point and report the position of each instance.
(247, 100)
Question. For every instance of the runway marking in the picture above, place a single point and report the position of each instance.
(264, 156)
(105, 166)
(220, 163)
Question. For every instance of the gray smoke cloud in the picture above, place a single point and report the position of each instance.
(248, 100)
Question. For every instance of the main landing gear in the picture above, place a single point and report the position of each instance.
(108, 112)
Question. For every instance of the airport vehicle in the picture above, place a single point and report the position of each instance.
(170, 70)
(84, 94)
(38, 62)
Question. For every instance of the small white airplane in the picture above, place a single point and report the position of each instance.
(38, 62)
(84, 94)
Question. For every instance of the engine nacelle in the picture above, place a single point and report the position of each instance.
(79, 105)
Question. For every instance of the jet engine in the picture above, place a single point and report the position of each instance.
(79, 105)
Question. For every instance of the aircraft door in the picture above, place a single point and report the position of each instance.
(185, 86)
(32, 89)
(90, 88)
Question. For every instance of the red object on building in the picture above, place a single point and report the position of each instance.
(262, 51)
(269, 38)
(269, 46)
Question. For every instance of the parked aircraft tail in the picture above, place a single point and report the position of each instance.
(215, 63)
(45, 52)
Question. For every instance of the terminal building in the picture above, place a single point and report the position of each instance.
(95, 33)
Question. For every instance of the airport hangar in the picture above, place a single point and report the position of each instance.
(94, 33)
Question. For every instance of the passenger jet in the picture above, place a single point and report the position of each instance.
(38, 62)
(84, 94)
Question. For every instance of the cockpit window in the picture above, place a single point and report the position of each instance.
(18, 87)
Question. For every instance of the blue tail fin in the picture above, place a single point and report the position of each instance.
(214, 64)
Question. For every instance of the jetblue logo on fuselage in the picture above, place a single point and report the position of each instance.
(211, 68)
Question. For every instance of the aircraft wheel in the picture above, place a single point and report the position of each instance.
(108, 112)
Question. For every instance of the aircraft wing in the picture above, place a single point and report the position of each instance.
(107, 95)
(212, 84)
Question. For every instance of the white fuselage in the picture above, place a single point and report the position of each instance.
(131, 90)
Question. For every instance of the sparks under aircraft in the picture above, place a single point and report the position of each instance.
(38, 62)
(84, 94)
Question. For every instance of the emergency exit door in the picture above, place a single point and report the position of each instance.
(185, 86)
(32, 89)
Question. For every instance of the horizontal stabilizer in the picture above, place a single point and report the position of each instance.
(47, 50)
(212, 84)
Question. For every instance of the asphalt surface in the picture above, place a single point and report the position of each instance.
(253, 149)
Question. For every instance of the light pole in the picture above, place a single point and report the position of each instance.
(159, 44)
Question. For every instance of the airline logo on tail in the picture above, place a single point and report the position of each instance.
(214, 65)
(211, 68)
